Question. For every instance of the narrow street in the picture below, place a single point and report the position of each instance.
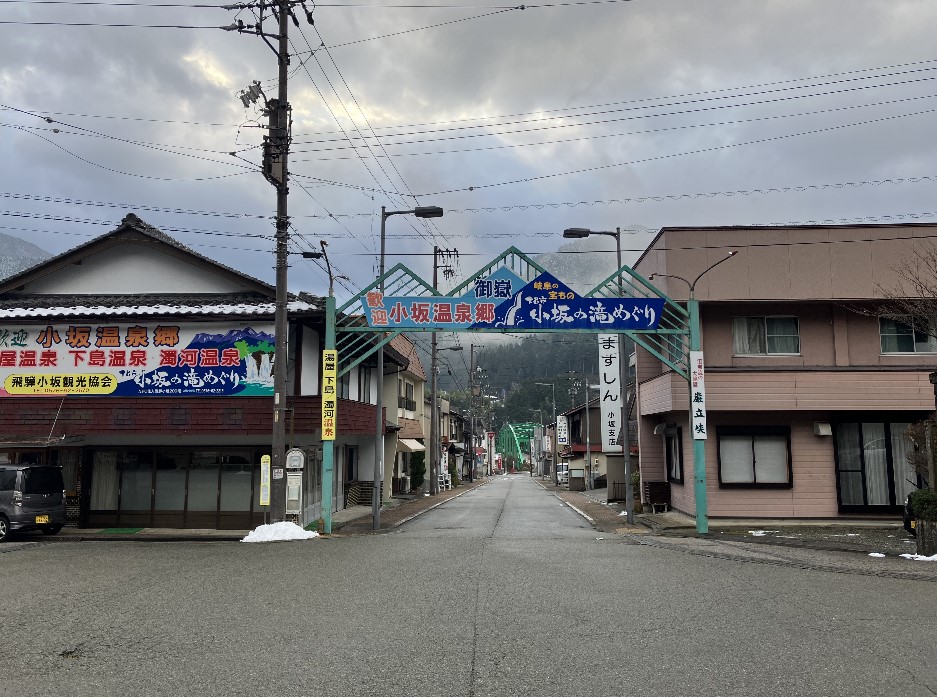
(503, 591)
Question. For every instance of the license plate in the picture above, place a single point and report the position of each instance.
(42, 520)
(913, 524)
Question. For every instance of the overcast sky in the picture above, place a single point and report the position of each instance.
(592, 115)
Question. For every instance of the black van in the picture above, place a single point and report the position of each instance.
(32, 497)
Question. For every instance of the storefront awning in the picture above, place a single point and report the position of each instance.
(408, 445)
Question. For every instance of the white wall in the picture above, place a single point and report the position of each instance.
(312, 361)
(132, 268)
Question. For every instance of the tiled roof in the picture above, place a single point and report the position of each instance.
(49, 306)
(410, 428)
(406, 347)
(130, 223)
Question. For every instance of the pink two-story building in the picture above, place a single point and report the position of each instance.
(808, 391)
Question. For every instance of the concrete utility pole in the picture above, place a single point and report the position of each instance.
(275, 170)
(281, 144)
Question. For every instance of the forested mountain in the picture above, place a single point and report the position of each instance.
(17, 255)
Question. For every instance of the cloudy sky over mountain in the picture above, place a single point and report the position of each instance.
(519, 122)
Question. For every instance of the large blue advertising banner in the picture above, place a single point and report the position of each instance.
(140, 359)
(504, 300)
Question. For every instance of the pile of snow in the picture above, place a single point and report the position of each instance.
(876, 554)
(760, 533)
(919, 557)
(279, 532)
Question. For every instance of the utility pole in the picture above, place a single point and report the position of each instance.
(275, 170)
(448, 272)
(432, 484)
(472, 404)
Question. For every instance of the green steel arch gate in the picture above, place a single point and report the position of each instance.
(514, 441)
(678, 332)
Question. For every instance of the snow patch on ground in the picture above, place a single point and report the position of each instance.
(279, 532)
(760, 533)
(919, 557)
(876, 554)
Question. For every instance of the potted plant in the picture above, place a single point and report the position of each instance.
(924, 505)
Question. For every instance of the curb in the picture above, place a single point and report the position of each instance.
(394, 526)
(141, 538)
(817, 545)
(582, 513)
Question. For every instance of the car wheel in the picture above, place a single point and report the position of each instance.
(51, 530)
(4, 528)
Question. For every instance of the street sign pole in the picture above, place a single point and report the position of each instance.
(699, 444)
(328, 446)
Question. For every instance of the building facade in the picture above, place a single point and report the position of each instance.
(145, 370)
(808, 390)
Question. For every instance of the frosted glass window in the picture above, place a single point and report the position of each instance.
(755, 460)
(236, 487)
(770, 459)
(136, 486)
(170, 489)
(203, 487)
(736, 459)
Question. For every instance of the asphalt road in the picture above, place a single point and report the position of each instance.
(503, 591)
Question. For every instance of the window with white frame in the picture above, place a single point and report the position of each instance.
(760, 336)
(673, 450)
(754, 457)
(904, 337)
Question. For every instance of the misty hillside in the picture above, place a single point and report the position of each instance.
(17, 255)
(585, 263)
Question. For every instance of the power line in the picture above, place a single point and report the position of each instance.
(368, 122)
(600, 109)
(111, 26)
(335, 117)
(121, 172)
(656, 158)
(651, 198)
(610, 135)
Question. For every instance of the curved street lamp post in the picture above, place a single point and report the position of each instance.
(699, 445)
(419, 212)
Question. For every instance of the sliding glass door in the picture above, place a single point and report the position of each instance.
(872, 469)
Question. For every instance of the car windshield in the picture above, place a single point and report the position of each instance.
(42, 480)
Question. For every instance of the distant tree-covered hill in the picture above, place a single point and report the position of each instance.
(18, 255)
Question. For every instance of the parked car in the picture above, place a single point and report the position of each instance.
(32, 497)
(562, 474)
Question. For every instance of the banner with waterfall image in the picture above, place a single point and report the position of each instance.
(141, 359)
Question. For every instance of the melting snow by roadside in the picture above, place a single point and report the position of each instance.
(760, 533)
(279, 532)
(918, 557)
(876, 554)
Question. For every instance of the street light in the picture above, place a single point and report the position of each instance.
(699, 449)
(553, 389)
(432, 483)
(579, 233)
(538, 442)
(419, 212)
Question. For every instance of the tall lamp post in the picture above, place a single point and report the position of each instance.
(553, 393)
(419, 212)
(699, 445)
(538, 441)
(579, 233)
(434, 439)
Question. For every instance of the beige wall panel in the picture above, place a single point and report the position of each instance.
(851, 257)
